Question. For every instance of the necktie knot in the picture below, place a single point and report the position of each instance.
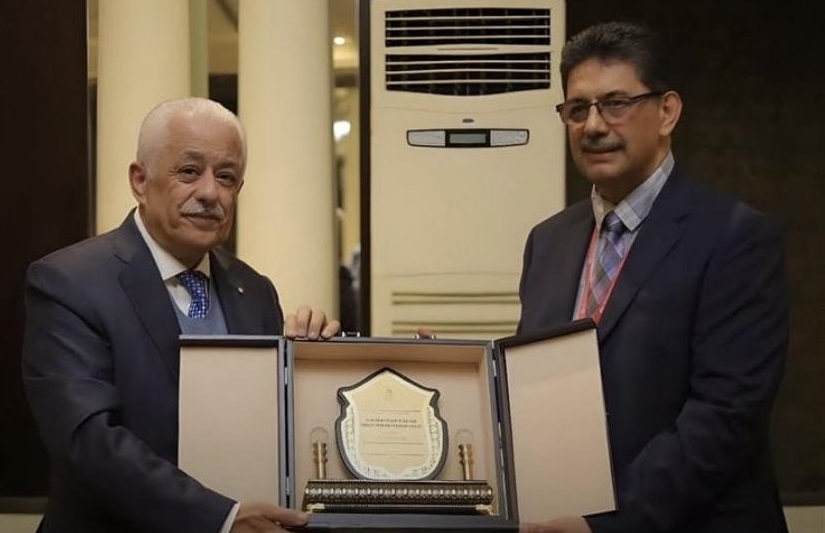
(197, 284)
(612, 226)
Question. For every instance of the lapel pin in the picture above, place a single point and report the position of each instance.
(240, 290)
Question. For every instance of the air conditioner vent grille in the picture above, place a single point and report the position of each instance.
(467, 26)
(467, 74)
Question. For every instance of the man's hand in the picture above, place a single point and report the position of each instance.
(310, 324)
(565, 524)
(265, 517)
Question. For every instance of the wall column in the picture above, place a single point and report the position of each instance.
(143, 58)
(286, 212)
(199, 47)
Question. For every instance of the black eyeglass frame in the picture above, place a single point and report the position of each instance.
(628, 102)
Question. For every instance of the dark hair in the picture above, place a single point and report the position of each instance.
(623, 41)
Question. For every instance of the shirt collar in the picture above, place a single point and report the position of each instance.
(168, 265)
(634, 208)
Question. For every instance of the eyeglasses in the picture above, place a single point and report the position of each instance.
(612, 109)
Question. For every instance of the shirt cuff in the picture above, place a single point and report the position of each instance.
(230, 518)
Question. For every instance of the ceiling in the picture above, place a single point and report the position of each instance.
(222, 22)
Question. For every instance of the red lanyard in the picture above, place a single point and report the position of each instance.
(588, 266)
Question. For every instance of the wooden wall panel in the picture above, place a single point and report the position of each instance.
(46, 206)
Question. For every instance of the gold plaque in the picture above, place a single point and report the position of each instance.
(390, 429)
(393, 441)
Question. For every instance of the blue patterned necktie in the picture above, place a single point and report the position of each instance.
(608, 259)
(197, 284)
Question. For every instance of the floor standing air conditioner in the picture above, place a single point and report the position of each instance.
(466, 154)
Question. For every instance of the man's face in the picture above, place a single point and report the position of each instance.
(616, 157)
(188, 189)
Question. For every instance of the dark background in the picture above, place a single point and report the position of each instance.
(45, 160)
(754, 106)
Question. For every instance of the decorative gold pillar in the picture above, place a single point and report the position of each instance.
(143, 58)
(286, 211)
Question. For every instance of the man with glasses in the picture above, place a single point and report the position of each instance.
(687, 289)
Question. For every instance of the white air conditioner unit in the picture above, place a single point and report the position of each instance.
(466, 155)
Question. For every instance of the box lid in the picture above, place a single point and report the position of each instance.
(555, 423)
(231, 402)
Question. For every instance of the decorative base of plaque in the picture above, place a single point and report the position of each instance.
(366, 496)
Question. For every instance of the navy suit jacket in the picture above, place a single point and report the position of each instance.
(692, 346)
(100, 369)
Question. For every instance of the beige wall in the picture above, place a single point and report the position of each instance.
(800, 520)
(806, 519)
(18, 523)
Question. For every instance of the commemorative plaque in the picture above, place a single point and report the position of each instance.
(393, 441)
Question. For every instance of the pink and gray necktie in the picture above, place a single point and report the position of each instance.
(608, 260)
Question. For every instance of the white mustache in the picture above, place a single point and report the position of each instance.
(199, 209)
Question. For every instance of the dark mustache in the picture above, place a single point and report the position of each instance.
(599, 144)
(202, 210)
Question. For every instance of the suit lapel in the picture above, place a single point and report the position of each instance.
(144, 287)
(554, 255)
(232, 294)
(659, 233)
(572, 249)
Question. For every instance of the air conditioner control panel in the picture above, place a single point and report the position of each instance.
(467, 138)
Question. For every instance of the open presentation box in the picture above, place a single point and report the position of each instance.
(532, 406)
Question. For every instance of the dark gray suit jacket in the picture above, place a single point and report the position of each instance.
(100, 369)
(692, 346)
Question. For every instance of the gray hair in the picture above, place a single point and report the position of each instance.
(155, 125)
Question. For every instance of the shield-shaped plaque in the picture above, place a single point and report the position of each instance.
(390, 429)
